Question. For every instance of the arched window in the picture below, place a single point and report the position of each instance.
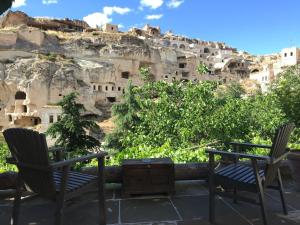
(182, 46)
(20, 95)
(206, 50)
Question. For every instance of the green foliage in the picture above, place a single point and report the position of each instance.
(49, 56)
(126, 117)
(70, 130)
(287, 90)
(202, 69)
(145, 73)
(4, 153)
(180, 115)
(144, 151)
(234, 90)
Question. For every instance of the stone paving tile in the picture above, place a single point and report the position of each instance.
(253, 214)
(147, 210)
(193, 222)
(196, 208)
(190, 201)
(5, 214)
(152, 223)
(89, 214)
(40, 212)
(292, 198)
(185, 188)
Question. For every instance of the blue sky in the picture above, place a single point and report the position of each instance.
(256, 26)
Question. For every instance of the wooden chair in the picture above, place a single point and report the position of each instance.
(237, 176)
(51, 180)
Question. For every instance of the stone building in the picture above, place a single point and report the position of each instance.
(38, 67)
(152, 31)
(264, 76)
(273, 65)
(49, 114)
(290, 56)
(110, 28)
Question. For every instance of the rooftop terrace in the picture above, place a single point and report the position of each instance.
(189, 206)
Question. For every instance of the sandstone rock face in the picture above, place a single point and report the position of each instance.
(14, 19)
(37, 68)
(18, 18)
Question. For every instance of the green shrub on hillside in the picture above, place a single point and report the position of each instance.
(4, 153)
(181, 115)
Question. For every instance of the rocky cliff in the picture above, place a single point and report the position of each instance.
(38, 67)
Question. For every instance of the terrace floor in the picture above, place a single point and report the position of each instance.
(189, 206)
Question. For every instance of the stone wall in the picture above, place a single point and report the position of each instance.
(97, 65)
(33, 36)
(8, 39)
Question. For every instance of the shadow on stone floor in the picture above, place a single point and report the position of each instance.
(189, 206)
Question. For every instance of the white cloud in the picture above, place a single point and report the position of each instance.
(48, 2)
(153, 4)
(18, 3)
(97, 19)
(154, 17)
(100, 18)
(120, 26)
(110, 10)
(174, 3)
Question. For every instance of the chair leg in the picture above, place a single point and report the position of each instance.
(101, 192)
(260, 191)
(234, 195)
(211, 181)
(211, 205)
(59, 211)
(262, 205)
(60, 198)
(17, 203)
(281, 193)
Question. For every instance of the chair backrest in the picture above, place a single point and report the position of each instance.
(29, 149)
(279, 147)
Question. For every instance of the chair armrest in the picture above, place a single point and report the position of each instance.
(281, 157)
(58, 153)
(250, 145)
(56, 149)
(79, 159)
(241, 155)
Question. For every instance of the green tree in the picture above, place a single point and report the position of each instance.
(231, 90)
(145, 73)
(287, 90)
(202, 69)
(70, 130)
(186, 114)
(126, 117)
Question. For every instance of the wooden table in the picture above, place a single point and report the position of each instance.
(147, 176)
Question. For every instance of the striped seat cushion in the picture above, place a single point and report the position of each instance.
(76, 180)
(239, 173)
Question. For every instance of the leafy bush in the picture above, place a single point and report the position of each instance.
(180, 115)
(202, 69)
(4, 153)
(145, 73)
(287, 90)
(70, 130)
